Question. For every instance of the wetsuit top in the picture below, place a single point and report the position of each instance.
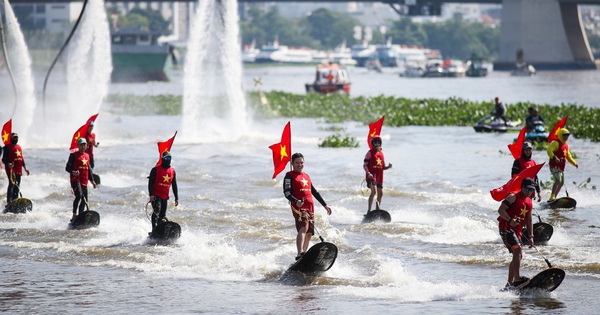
(160, 180)
(499, 109)
(518, 210)
(375, 163)
(79, 162)
(13, 154)
(297, 186)
(91, 140)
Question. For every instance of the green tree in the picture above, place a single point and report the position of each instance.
(330, 28)
(271, 25)
(156, 22)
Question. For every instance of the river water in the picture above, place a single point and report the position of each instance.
(440, 254)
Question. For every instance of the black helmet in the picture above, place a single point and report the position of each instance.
(376, 138)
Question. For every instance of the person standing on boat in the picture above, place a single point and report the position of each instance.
(162, 178)
(14, 164)
(91, 140)
(374, 165)
(81, 171)
(299, 190)
(558, 152)
(499, 110)
(515, 212)
(524, 162)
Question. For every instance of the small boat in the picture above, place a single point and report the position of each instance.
(456, 69)
(492, 124)
(523, 70)
(538, 134)
(475, 68)
(330, 78)
(434, 69)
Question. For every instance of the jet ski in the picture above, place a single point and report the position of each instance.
(493, 124)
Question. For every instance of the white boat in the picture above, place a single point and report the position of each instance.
(523, 70)
(250, 52)
(362, 53)
(283, 54)
(456, 69)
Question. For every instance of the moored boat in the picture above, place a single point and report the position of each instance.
(138, 57)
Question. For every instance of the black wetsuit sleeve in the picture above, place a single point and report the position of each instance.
(174, 186)
(5, 155)
(69, 166)
(317, 195)
(287, 189)
(516, 168)
(151, 180)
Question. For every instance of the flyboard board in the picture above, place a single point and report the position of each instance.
(165, 233)
(19, 205)
(542, 232)
(85, 220)
(547, 280)
(96, 179)
(560, 203)
(317, 259)
(377, 215)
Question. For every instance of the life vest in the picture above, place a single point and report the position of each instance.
(518, 210)
(561, 154)
(525, 164)
(162, 182)
(15, 156)
(302, 190)
(376, 164)
(81, 164)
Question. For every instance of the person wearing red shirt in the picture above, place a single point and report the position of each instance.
(91, 143)
(524, 162)
(162, 177)
(374, 165)
(79, 167)
(14, 164)
(299, 190)
(515, 212)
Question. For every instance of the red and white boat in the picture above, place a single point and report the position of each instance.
(330, 78)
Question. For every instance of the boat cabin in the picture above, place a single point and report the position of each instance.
(330, 78)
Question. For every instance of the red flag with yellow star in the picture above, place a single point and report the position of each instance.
(560, 124)
(164, 146)
(517, 147)
(374, 129)
(6, 131)
(514, 184)
(282, 150)
(81, 132)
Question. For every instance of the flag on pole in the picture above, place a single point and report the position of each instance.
(6, 131)
(514, 184)
(560, 124)
(81, 132)
(517, 147)
(282, 151)
(374, 129)
(164, 146)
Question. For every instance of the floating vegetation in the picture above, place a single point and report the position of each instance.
(130, 104)
(338, 141)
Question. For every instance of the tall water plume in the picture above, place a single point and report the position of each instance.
(20, 61)
(214, 107)
(89, 64)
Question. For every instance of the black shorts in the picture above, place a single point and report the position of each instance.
(510, 240)
(373, 182)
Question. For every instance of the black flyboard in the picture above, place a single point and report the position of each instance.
(19, 205)
(96, 179)
(561, 203)
(85, 220)
(377, 215)
(319, 258)
(547, 280)
(542, 232)
(165, 232)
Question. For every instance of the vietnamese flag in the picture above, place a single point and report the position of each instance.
(374, 129)
(560, 124)
(81, 132)
(517, 147)
(6, 131)
(164, 146)
(282, 151)
(514, 184)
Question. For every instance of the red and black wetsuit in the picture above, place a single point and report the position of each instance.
(298, 187)
(160, 180)
(375, 164)
(91, 140)
(13, 154)
(79, 161)
(518, 211)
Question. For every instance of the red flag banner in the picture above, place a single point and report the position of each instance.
(514, 184)
(282, 151)
(560, 124)
(81, 132)
(164, 146)
(517, 147)
(6, 131)
(375, 129)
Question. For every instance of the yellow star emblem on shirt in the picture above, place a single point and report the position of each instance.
(379, 161)
(166, 178)
(84, 161)
(524, 211)
(304, 182)
(283, 152)
(18, 153)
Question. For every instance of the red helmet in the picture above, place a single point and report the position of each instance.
(376, 138)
